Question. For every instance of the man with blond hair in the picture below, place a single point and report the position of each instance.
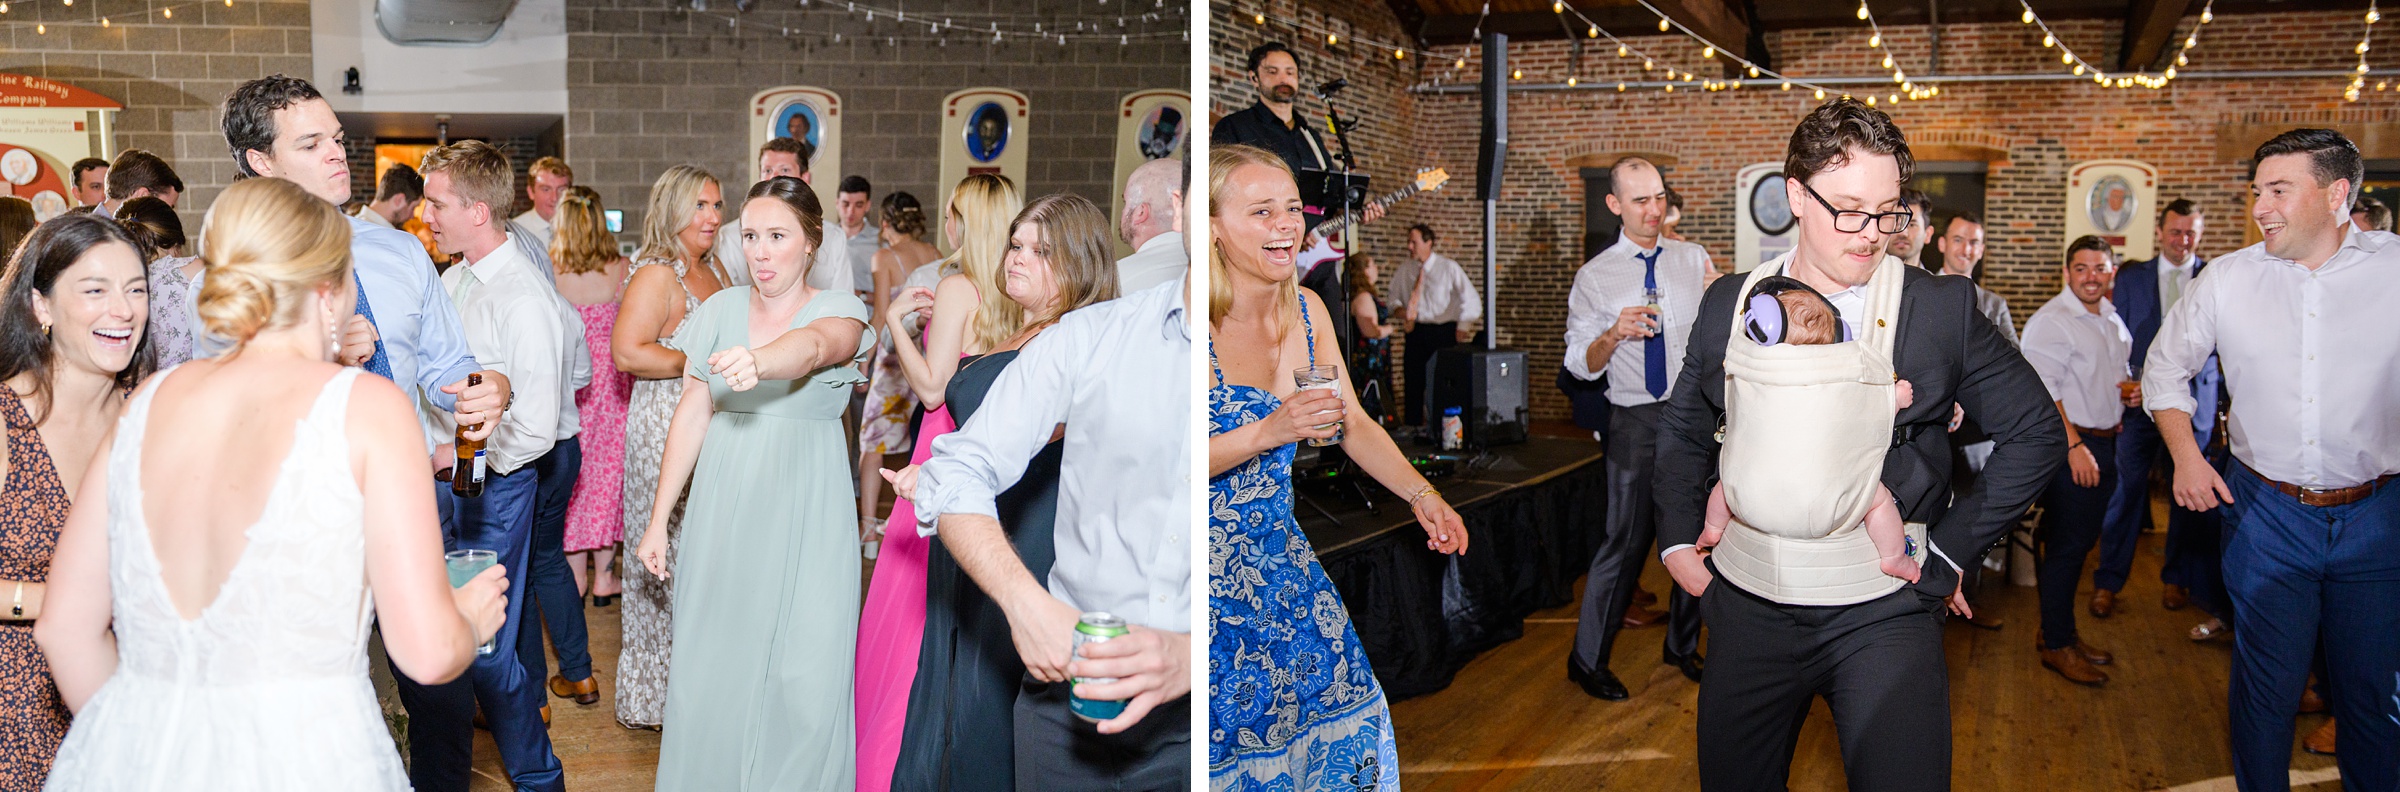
(516, 323)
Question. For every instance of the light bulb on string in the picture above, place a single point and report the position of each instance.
(1670, 87)
(1570, 82)
(1646, 64)
(1558, 7)
(2049, 41)
(1753, 71)
(1332, 39)
(1516, 74)
(1870, 100)
(2066, 57)
(1400, 54)
(2361, 48)
(1875, 41)
(1663, 25)
(1862, 11)
(1259, 18)
(2373, 17)
(1820, 94)
(2207, 16)
(2180, 60)
(1620, 87)
(1787, 85)
(2170, 72)
(1895, 99)
(1621, 51)
(1594, 32)
(2026, 17)
(2191, 41)
(1710, 53)
(1887, 61)
(2079, 69)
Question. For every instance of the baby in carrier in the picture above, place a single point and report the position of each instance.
(1784, 310)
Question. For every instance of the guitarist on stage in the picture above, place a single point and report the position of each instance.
(1275, 125)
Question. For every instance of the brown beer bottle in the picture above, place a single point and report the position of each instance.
(466, 481)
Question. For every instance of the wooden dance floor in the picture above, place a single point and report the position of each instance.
(1511, 720)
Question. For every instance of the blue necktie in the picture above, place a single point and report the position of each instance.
(1654, 348)
(376, 363)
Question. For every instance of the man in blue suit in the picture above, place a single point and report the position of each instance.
(2145, 291)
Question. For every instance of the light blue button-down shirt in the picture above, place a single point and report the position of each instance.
(418, 324)
(1118, 374)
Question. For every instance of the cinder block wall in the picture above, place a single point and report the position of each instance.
(649, 87)
(171, 74)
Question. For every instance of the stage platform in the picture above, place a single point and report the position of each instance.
(1533, 515)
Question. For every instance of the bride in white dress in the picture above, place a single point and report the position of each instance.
(208, 618)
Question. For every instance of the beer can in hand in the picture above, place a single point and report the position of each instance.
(1097, 627)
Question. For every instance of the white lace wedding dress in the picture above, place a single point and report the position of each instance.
(268, 688)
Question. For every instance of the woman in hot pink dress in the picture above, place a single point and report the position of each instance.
(590, 276)
(965, 319)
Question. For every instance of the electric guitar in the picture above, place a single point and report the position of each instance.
(1319, 244)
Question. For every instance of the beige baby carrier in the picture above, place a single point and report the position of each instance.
(1806, 428)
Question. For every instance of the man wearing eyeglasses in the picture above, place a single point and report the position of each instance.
(1876, 656)
(1627, 318)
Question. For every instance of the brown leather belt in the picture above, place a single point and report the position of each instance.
(2090, 432)
(2313, 496)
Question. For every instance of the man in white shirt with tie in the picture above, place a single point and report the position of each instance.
(1628, 316)
(516, 323)
(2302, 325)
(1443, 310)
(2078, 345)
(546, 181)
(1148, 224)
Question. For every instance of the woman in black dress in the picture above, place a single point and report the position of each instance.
(961, 709)
(1371, 345)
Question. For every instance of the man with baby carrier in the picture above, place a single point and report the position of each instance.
(1814, 438)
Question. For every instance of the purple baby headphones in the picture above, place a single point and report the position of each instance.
(1764, 321)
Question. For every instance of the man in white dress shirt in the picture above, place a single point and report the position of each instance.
(1962, 249)
(784, 157)
(1442, 310)
(516, 323)
(546, 181)
(1148, 224)
(1614, 329)
(2078, 345)
(2302, 326)
(396, 197)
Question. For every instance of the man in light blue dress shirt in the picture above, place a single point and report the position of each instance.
(1118, 375)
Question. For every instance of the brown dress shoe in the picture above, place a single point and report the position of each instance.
(2310, 702)
(2071, 664)
(2096, 656)
(2104, 602)
(2175, 597)
(1644, 598)
(1635, 616)
(585, 693)
(2319, 742)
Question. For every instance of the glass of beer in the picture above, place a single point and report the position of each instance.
(464, 565)
(2131, 388)
(1324, 378)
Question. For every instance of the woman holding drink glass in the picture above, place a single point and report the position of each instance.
(1290, 705)
(238, 653)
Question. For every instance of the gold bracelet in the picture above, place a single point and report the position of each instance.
(1421, 493)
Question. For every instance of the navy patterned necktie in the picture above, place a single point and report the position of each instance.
(376, 363)
(1654, 348)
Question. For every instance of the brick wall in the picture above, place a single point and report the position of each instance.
(2041, 126)
(650, 87)
(171, 74)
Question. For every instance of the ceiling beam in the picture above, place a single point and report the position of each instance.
(1715, 20)
(1411, 15)
(2150, 30)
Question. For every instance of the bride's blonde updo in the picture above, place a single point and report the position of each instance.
(267, 244)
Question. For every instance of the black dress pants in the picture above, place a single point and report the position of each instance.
(2071, 520)
(1625, 546)
(1878, 664)
(1423, 341)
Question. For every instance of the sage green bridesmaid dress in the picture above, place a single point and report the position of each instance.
(767, 584)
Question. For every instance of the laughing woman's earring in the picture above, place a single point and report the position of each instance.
(45, 329)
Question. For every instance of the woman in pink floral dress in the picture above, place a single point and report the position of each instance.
(591, 276)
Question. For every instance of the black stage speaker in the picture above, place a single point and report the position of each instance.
(1494, 147)
(1490, 387)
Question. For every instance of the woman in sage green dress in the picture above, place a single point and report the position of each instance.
(767, 578)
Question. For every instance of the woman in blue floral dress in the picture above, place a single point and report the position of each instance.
(1294, 705)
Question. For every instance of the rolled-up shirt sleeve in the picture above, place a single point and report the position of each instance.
(1586, 321)
(2186, 337)
(971, 466)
